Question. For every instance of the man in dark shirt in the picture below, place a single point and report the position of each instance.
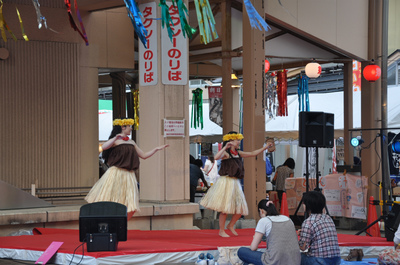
(195, 175)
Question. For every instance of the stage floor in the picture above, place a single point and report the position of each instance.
(152, 247)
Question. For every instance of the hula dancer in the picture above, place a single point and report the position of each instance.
(226, 195)
(121, 154)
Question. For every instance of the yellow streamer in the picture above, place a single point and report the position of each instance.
(206, 21)
(136, 109)
(22, 26)
(3, 24)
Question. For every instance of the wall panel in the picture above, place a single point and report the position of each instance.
(40, 107)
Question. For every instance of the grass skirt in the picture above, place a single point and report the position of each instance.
(226, 196)
(116, 185)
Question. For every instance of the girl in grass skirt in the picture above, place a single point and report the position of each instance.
(226, 195)
(121, 154)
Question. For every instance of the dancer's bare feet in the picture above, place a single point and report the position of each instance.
(223, 234)
(232, 230)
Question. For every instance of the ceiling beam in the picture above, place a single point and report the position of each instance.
(213, 56)
(198, 47)
(204, 70)
(275, 35)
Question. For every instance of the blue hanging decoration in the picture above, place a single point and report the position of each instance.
(255, 19)
(166, 20)
(135, 14)
(197, 108)
(302, 91)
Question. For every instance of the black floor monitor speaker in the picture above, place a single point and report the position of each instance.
(316, 129)
(102, 225)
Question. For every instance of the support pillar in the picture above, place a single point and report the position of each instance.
(164, 177)
(253, 112)
(348, 111)
(371, 103)
(227, 91)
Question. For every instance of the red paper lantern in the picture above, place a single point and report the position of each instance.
(372, 72)
(267, 65)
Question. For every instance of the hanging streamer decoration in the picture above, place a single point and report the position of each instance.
(22, 26)
(166, 20)
(302, 91)
(271, 95)
(197, 108)
(206, 21)
(282, 93)
(136, 109)
(41, 20)
(78, 14)
(135, 14)
(72, 22)
(256, 21)
(183, 12)
(3, 24)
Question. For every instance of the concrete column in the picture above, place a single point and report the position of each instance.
(164, 177)
(253, 112)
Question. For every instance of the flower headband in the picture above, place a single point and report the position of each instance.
(123, 122)
(232, 136)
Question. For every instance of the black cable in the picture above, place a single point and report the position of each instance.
(83, 252)
(379, 164)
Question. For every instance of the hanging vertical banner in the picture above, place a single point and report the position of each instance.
(174, 54)
(356, 76)
(148, 70)
(215, 97)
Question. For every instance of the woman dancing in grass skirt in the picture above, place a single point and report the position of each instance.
(226, 195)
(121, 154)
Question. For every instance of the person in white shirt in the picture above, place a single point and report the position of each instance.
(211, 169)
(281, 238)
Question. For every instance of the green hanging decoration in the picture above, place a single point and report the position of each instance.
(197, 108)
(206, 21)
(183, 12)
(166, 19)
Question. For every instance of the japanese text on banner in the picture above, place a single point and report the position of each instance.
(174, 54)
(148, 70)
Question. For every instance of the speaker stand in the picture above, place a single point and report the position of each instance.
(307, 174)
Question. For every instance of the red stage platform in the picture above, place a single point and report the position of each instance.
(151, 247)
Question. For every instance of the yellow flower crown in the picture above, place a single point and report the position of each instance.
(232, 136)
(123, 122)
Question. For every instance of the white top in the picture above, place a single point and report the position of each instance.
(264, 225)
(213, 174)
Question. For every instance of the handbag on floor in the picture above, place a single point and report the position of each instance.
(228, 256)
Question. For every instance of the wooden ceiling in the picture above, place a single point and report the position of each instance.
(285, 45)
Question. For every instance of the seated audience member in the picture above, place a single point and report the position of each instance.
(281, 238)
(318, 237)
(391, 256)
(195, 175)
